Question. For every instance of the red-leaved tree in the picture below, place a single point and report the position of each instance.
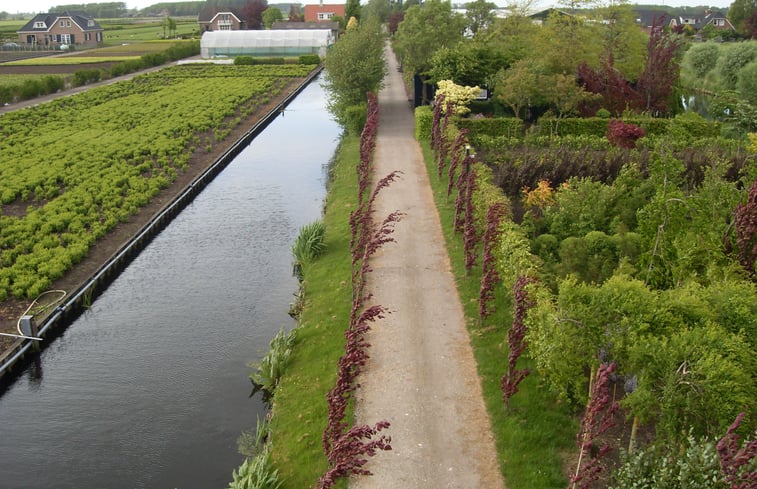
(623, 134)
(735, 459)
(489, 274)
(346, 447)
(516, 339)
(597, 419)
(654, 87)
(745, 222)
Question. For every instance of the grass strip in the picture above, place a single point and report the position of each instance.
(300, 410)
(67, 60)
(536, 438)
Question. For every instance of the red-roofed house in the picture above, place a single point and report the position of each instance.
(323, 13)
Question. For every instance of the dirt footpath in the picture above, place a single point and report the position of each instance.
(421, 376)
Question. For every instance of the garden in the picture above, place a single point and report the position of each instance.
(602, 233)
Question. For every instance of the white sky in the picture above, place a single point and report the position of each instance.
(38, 6)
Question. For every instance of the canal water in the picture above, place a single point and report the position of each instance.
(149, 387)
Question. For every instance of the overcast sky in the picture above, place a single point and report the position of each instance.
(37, 6)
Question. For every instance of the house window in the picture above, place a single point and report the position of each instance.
(68, 23)
(720, 22)
(90, 23)
(65, 38)
(39, 25)
(224, 27)
(63, 23)
(325, 15)
(87, 36)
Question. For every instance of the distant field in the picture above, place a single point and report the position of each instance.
(118, 31)
(8, 29)
(128, 49)
(67, 60)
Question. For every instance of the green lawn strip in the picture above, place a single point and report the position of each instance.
(299, 409)
(538, 434)
(67, 60)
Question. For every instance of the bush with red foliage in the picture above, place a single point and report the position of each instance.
(735, 460)
(489, 274)
(516, 339)
(623, 134)
(597, 419)
(347, 447)
(745, 222)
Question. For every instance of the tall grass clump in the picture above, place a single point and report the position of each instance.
(256, 473)
(308, 245)
(269, 370)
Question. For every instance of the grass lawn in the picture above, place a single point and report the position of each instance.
(67, 60)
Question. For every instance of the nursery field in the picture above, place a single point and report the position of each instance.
(125, 143)
(628, 264)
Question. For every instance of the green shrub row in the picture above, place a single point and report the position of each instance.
(32, 88)
(354, 118)
(424, 118)
(251, 60)
(685, 125)
(497, 126)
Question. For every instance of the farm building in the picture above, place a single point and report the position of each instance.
(294, 42)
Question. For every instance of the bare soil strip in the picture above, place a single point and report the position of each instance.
(421, 376)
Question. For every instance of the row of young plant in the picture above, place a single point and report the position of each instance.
(29, 89)
(345, 447)
(645, 282)
(75, 167)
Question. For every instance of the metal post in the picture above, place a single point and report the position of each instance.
(28, 327)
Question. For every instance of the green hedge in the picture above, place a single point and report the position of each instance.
(309, 59)
(424, 118)
(355, 116)
(684, 125)
(496, 126)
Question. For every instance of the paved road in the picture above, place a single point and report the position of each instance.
(421, 376)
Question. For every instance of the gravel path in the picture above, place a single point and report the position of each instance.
(421, 376)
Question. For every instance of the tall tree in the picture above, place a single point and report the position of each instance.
(740, 13)
(352, 9)
(271, 15)
(469, 63)
(425, 29)
(620, 37)
(294, 14)
(480, 15)
(253, 13)
(656, 83)
(564, 41)
(354, 67)
(379, 9)
(513, 37)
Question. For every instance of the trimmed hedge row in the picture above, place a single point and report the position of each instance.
(690, 125)
(497, 126)
(31, 88)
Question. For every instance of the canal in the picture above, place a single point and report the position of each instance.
(149, 388)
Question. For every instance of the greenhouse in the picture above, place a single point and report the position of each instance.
(288, 42)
